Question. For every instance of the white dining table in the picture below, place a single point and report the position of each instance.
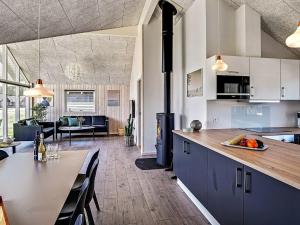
(34, 192)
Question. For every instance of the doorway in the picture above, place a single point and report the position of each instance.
(139, 113)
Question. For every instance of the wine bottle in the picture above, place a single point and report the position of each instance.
(36, 144)
(42, 154)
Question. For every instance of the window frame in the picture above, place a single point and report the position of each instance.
(79, 111)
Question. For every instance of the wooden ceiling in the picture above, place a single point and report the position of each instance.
(19, 18)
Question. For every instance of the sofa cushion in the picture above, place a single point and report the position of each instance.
(32, 122)
(99, 120)
(64, 121)
(88, 120)
(73, 122)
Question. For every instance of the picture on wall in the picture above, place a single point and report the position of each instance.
(46, 101)
(195, 83)
(113, 98)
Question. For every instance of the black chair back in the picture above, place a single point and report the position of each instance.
(79, 220)
(91, 163)
(92, 177)
(80, 201)
(3, 154)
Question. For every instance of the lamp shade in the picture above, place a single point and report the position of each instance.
(219, 65)
(38, 90)
(293, 41)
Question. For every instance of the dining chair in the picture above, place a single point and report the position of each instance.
(91, 192)
(80, 178)
(74, 206)
(3, 154)
(79, 220)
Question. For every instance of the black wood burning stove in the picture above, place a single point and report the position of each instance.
(165, 120)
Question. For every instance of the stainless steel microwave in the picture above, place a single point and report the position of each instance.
(233, 87)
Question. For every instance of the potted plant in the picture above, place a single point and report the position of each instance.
(39, 112)
(129, 138)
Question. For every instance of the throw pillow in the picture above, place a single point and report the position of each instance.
(73, 122)
(31, 122)
(64, 121)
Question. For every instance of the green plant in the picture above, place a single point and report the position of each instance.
(39, 112)
(129, 128)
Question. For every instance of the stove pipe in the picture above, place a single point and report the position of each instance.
(168, 11)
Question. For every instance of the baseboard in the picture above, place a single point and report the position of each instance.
(198, 204)
(153, 153)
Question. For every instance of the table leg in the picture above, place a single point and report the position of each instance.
(61, 135)
(13, 149)
(94, 134)
(70, 137)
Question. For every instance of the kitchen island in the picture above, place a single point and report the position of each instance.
(235, 186)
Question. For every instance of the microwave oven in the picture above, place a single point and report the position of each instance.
(233, 87)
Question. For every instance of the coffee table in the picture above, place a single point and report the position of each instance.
(12, 145)
(77, 128)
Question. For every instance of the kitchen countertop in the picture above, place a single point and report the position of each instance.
(280, 161)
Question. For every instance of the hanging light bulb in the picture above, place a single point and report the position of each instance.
(293, 41)
(39, 90)
(219, 65)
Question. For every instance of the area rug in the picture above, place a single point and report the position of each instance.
(148, 164)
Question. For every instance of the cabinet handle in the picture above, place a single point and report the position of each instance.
(252, 91)
(186, 147)
(247, 185)
(239, 177)
(283, 92)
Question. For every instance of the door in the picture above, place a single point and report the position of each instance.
(180, 158)
(237, 65)
(197, 171)
(290, 79)
(225, 189)
(269, 201)
(139, 113)
(264, 79)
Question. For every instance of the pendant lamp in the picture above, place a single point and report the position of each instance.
(293, 41)
(39, 90)
(219, 65)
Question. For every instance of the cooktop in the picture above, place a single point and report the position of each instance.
(267, 129)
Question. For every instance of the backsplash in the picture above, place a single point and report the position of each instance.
(233, 114)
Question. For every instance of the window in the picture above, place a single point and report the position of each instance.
(80, 101)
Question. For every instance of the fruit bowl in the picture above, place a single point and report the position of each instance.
(243, 142)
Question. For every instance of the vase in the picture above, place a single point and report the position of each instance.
(196, 125)
(129, 140)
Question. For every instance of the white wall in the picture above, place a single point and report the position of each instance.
(270, 48)
(152, 83)
(194, 56)
(227, 25)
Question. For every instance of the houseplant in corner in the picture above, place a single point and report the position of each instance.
(39, 112)
(129, 138)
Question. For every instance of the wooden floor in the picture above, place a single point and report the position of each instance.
(128, 195)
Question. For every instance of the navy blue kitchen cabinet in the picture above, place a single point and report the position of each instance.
(268, 201)
(190, 166)
(232, 192)
(225, 189)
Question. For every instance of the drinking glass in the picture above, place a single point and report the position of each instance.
(49, 149)
(56, 149)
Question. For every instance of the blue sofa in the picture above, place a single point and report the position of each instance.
(24, 132)
(101, 124)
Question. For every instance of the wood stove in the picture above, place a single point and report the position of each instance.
(165, 120)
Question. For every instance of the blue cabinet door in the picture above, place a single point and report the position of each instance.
(180, 159)
(198, 171)
(268, 201)
(225, 189)
(190, 166)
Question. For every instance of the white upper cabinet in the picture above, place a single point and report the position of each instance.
(290, 79)
(264, 79)
(237, 65)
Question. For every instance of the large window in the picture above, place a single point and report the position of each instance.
(79, 101)
(14, 105)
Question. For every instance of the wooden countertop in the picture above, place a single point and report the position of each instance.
(281, 161)
(34, 192)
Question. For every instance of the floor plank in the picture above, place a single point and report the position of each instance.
(128, 195)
